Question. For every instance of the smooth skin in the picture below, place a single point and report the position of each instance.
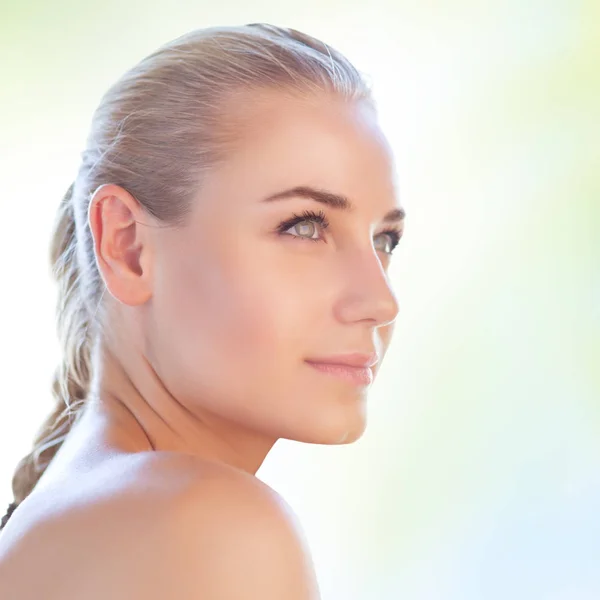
(204, 366)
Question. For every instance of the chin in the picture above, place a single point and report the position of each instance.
(350, 436)
(333, 434)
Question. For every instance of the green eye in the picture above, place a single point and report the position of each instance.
(302, 224)
(394, 238)
(313, 219)
(308, 216)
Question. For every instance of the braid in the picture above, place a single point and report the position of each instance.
(9, 511)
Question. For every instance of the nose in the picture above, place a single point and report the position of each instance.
(368, 295)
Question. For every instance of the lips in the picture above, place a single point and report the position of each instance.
(354, 359)
(360, 376)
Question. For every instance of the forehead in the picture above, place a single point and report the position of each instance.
(325, 142)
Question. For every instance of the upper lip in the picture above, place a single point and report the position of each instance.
(354, 359)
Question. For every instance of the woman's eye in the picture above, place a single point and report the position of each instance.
(306, 229)
(305, 224)
(392, 238)
(309, 223)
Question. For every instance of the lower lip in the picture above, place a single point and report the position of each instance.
(356, 375)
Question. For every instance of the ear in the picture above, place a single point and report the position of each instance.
(122, 243)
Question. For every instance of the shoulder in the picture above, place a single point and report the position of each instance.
(209, 531)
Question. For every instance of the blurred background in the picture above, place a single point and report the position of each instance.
(479, 474)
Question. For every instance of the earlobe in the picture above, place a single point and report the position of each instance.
(121, 244)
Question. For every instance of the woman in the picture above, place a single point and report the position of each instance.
(222, 261)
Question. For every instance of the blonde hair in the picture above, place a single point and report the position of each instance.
(155, 132)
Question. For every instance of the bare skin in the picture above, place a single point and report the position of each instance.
(211, 323)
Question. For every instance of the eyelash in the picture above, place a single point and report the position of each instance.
(321, 219)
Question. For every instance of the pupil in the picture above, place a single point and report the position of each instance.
(305, 225)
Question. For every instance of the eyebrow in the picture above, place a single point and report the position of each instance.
(335, 201)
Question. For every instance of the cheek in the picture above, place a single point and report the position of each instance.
(229, 334)
(224, 320)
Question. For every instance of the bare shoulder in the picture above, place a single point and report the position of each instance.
(240, 539)
(210, 531)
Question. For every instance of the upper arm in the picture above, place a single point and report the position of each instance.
(238, 539)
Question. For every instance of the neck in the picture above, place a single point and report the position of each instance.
(139, 414)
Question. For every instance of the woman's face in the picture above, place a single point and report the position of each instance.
(241, 300)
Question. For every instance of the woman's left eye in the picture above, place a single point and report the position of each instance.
(313, 219)
(308, 216)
